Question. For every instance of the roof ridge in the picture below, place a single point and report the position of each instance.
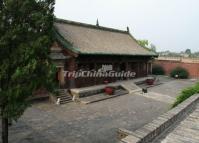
(90, 26)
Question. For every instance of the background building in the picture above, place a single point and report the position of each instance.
(80, 46)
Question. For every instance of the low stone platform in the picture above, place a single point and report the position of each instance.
(102, 96)
(154, 129)
(129, 85)
(144, 85)
(186, 131)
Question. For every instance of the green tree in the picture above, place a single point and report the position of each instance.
(153, 48)
(188, 51)
(26, 33)
(195, 55)
(143, 43)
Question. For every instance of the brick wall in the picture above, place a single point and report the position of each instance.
(168, 65)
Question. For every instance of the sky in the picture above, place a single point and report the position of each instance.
(168, 24)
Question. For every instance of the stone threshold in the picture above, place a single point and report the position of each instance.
(158, 126)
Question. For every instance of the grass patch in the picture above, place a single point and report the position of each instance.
(186, 93)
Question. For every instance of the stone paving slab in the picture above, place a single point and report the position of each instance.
(187, 131)
(173, 87)
(94, 123)
(163, 123)
(76, 123)
(158, 97)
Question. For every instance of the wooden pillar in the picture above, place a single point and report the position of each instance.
(61, 77)
(147, 68)
(114, 69)
(71, 68)
(138, 69)
(95, 69)
(127, 69)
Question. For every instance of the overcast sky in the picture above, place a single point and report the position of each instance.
(169, 24)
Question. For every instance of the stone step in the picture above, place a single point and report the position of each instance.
(62, 92)
(64, 102)
(65, 98)
(131, 87)
(63, 95)
(61, 89)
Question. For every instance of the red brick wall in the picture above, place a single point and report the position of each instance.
(192, 68)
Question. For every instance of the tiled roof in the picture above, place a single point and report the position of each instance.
(91, 39)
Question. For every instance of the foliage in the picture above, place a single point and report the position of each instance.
(175, 54)
(153, 48)
(179, 72)
(145, 44)
(195, 55)
(188, 51)
(186, 93)
(26, 29)
(158, 70)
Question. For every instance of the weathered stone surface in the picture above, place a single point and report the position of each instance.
(93, 123)
(77, 123)
(187, 131)
(159, 97)
(172, 116)
(130, 139)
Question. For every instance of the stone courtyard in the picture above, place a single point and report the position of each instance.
(97, 122)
